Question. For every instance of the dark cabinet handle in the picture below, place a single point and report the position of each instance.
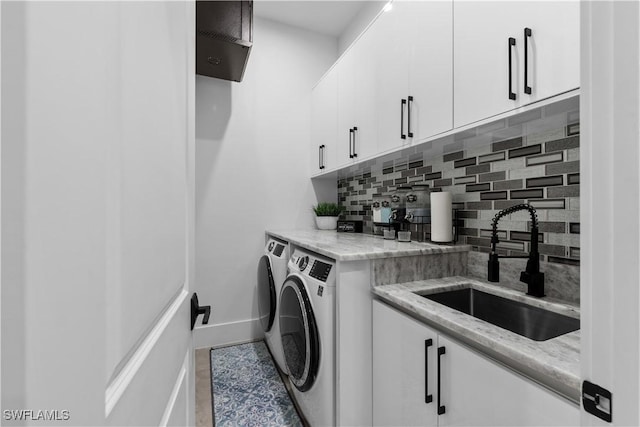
(512, 42)
(410, 101)
(527, 88)
(321, 156)
(428, 398)
(197, 309)
(441, 408)
(323, 148)
(350, 143)
(355, 129)
(402, 104)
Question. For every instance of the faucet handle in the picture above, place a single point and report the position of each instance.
(535, 282)
(493, 271)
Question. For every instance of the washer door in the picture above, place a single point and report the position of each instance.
(299, 333)
(266, 294)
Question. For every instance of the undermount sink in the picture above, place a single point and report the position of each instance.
(523, 319)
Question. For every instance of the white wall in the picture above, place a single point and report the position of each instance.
(252, 172)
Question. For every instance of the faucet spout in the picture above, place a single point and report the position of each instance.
(532, 275)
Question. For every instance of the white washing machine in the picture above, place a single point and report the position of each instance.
(307, 328)
(272, 271)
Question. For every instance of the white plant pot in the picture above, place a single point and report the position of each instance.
(327, 222)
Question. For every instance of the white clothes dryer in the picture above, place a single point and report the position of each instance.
(272, 271)
(307, 329)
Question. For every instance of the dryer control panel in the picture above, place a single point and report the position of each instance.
(277, 248)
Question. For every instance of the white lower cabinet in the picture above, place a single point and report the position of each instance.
(408, 358)
(404, 354)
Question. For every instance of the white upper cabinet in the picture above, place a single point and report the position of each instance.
(324, 123)
(414, 72)
(366, 136)
(510, 54)
(430, 26)
(426, 67)
(357, 133)
(346, 107)
(392, 72)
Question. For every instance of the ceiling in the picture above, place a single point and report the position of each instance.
(322, 16)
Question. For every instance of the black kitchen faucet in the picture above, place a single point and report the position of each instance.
(532, 275)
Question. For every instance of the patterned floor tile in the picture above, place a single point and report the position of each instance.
(247, 389)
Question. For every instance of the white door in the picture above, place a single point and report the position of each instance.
(610, 206)
(97, 233)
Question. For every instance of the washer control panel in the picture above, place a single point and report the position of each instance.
(314, 266)
(320, 270)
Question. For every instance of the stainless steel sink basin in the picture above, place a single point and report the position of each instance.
(531, 322)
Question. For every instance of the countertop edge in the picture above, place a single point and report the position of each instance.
(289, 236)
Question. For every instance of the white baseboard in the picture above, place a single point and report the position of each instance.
(224, 334)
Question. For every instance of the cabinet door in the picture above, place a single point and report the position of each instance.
(365, 99)
(324, 123)
(430, 44)
(346, 107)
(553, 48)
(477, 391)
(414, 60)
(402, 357)
(392, 72)
(481, 55)
(481, 59)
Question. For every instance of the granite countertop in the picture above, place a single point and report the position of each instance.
(358, 246)
(554, 363)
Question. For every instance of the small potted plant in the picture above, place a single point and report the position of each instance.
(327, 215)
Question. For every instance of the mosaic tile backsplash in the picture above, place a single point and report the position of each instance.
(540, 169)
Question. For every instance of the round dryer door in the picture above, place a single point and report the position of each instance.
(299, 333)
(266, 294)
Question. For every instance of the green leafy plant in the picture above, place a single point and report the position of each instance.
(327, 209)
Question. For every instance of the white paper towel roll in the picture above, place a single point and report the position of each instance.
(441, 223)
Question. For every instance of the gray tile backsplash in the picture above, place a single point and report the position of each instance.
(541, 169)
